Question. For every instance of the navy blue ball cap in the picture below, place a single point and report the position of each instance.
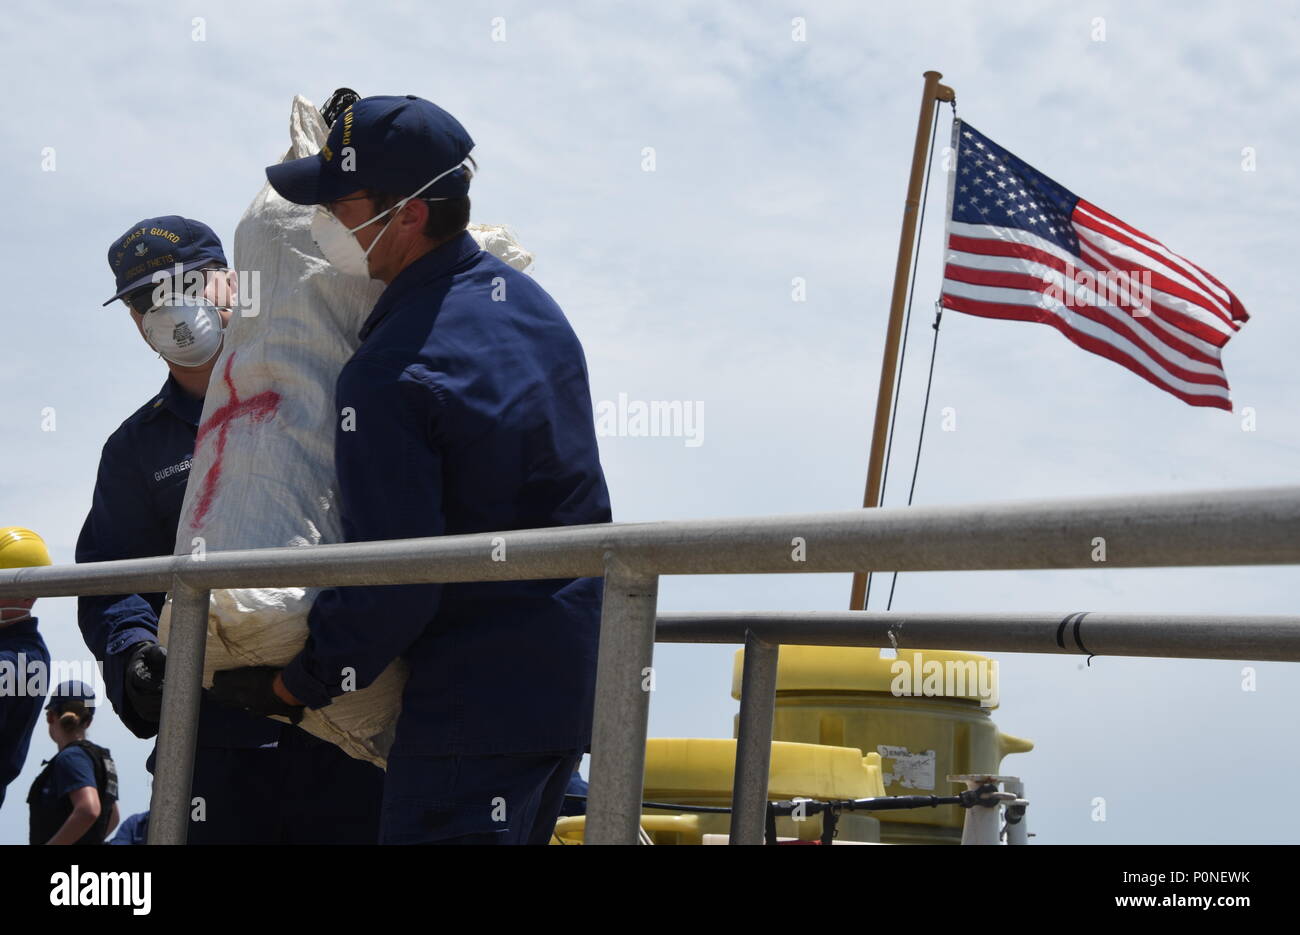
(70, 692)
(387, 143)
(161, 244)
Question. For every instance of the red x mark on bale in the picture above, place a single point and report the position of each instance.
(259, 408)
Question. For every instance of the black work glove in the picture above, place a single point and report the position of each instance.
(250, 688)
(144, 680)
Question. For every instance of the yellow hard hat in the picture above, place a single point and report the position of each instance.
(22, 548)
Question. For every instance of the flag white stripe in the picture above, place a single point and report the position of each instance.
(1140, 259)
(1015, 235)
(1175, 302)
(1006, 263)
(1083, 295)
(1188, 267)
(1011, 234)
(1082, 325)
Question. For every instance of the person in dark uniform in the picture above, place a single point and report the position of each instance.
(575, 796)
(134, 830)
(23, 655)
(473, 414)
(74, 798)
(256, 781)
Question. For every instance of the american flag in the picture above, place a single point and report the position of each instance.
(1022, 247)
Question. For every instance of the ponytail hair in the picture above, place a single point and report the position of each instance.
(75, 715)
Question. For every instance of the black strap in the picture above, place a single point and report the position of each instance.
(106, 783)
(830, 818)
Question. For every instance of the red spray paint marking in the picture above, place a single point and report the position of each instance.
(259, 408)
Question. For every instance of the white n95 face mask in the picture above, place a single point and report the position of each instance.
(187, 334)
(339, 245)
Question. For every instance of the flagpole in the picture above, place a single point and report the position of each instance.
(933, 94)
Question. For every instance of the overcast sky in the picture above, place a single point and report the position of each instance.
(773, 159)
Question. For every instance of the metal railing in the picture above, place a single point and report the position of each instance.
(1241, 527)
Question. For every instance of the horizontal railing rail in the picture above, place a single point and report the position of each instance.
(1244, 527)
(1239, 527)
(1261, 638)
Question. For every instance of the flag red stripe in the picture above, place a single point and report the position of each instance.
(1202, 329)
(1087, 342)
(1228, 297)
(1213, 286)
(1010, 248)
(1206, 300)
(1238, 310)
(1125, 327)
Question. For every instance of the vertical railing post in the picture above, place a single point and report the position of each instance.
(1018, 832)
(173, 773)
(624, 679)
(754, 741)
(982, 824)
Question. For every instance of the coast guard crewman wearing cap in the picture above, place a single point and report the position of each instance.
(472, 413)
(74, 798)
(259, 781)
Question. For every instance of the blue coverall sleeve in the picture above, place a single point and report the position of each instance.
(19, 709)
(11, 730)
(120, 525)
(389, 487)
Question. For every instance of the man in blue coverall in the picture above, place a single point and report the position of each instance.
(471, 412)
(24, 658)
(260, 781)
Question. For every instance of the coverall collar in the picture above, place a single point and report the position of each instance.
(435, 264)
(178, 402)
(21, 628)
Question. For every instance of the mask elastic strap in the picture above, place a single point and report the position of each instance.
(203, 304)
(399, 206)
